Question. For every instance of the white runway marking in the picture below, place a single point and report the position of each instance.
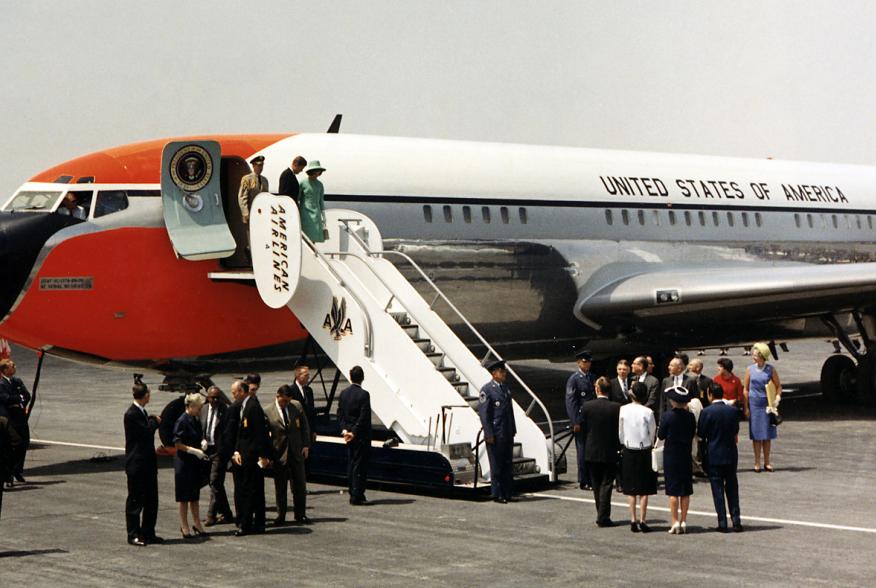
(714, 516)
(65, 443)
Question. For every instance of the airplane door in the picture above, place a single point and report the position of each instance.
(191, 194)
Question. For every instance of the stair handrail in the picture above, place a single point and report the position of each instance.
(369, 336)
(440, 293)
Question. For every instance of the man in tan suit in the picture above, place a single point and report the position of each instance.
(290, 436)
(251, 186)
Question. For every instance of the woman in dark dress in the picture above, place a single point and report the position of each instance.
(677, 428)
(187, 465)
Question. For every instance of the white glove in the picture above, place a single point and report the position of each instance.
(198, 453)
(204, 445)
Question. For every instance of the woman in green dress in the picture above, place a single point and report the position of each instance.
(311, 199)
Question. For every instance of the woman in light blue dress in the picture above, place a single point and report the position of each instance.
(311, 200)
(760, 431)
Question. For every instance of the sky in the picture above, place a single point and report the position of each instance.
(789, 80)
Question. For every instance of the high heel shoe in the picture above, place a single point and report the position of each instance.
(683, 529)
(198, 532)
(186, 535)
(674, 529)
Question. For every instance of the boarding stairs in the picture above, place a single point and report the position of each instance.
(423, 380)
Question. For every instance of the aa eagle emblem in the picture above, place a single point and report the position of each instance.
(336, 320)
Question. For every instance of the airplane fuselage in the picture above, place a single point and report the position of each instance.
(515, 235)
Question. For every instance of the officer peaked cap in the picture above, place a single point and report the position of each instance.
(494, 365)
(584, 354)
(257, 159)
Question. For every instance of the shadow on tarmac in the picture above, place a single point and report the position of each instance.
(25, 553)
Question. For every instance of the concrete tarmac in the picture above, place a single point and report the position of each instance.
(811, 522)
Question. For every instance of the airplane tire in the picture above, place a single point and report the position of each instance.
(839, 378)
(866, 377)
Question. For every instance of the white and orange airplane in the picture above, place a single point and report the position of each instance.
(543, 249)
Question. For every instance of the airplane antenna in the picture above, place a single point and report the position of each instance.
(336, 124)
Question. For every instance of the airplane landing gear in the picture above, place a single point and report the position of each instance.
(843, 379)
(839, 378)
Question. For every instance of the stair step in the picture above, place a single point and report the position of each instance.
(436, 358)
(517, 450)
(401, 318)
(449, 373)
(425, 344)
(524, 465)
(411, 330)
(462, 389)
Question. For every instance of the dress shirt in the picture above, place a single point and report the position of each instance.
(212, 419)
(637, 427)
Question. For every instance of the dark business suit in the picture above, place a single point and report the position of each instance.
(718, 427)
(354, 415)
(306, 399)
(599, 423)
(687, 382)
(288, 185)
(618, 394)
(15, 397)
(290, 435)
(218, 421)
(141, 468)
(700, 383)
(251, 442)
(9, 442)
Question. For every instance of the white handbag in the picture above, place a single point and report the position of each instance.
(657, 457)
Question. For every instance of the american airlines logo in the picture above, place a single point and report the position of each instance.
(336, 321)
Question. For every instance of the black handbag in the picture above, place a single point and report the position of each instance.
(775, 419)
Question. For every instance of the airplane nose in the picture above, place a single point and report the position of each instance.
(22, 235)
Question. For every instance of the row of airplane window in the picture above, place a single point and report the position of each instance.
(845, 221)
(714, 218)
(688, 217)
(486, 214)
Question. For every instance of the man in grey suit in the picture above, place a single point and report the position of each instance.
(676, 377)
(290, 436)
(640, 374)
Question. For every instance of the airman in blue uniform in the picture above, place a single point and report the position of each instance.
(496, 410)
(580, 389)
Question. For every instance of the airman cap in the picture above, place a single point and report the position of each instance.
(494, 365)
(257, 159)
(584, 354)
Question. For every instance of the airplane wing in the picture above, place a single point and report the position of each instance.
(733, 290)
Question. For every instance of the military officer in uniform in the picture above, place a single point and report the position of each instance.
(579, 389)
(251, 186)
(496, 410)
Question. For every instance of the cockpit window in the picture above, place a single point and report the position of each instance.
(109, 201)
(76, 204)
(33, 201)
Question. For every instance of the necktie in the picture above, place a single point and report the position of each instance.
(285, 417)
(210, 426)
